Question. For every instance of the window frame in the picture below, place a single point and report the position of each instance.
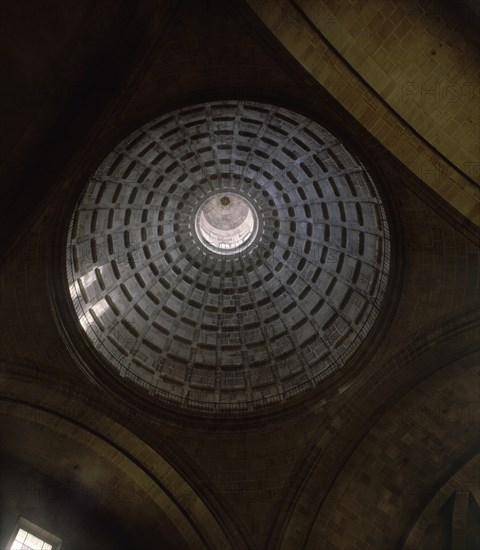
(36, 531)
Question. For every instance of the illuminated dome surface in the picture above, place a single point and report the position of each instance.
(228, 256)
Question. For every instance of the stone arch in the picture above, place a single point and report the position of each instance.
(311, 489)
(34, 431)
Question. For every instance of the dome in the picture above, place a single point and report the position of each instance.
(228, 256)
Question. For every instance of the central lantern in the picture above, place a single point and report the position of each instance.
(226, 223)
(228, 256)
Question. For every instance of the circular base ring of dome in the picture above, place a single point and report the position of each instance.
(228, 256)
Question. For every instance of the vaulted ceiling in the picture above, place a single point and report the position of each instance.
(382, 453)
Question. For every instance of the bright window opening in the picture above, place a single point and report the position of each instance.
(226, 223)
(28, 536)
(26, 541)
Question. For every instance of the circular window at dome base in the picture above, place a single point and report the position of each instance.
(228, 256)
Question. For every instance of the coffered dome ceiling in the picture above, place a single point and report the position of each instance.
(228, 256)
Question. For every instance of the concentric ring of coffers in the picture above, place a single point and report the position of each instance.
(243, 330)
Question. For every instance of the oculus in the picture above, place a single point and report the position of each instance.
(226, 223)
